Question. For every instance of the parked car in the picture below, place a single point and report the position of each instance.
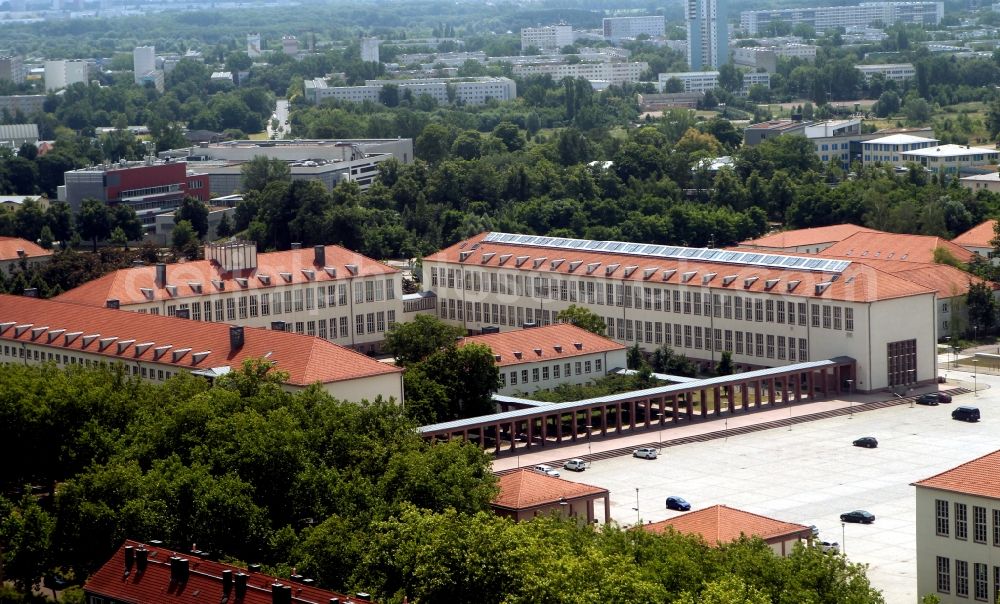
(678, 503)
(549, 470)
(933, 398)
(576, 465)
(868, 442)
(829, 546)
(814, 530)
(966, 414)
(860, 516)
(645, 453)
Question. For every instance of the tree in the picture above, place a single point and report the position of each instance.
(262, 170)
(118, 237)
(417, 339)
(730, 78)
(26, 534)
(725, 365)
(467, 145)
(466, 378)
(195, 212)
(184, 240)
(917, 110)
(45, 238)
(434, 142)
(583, 318)
(225, 227)
(982, 307)
(123, 217)
(509, 135)
(94, 220)
(887, 104)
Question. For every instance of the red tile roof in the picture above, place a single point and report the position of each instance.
(802, 237)
(11, 246)
(124, 285)
(895, 246)
(51, 323)
(203, 585)
(980, 477)
(528, 489)
(947, 280)
(978, 236)
(723, 524)
(857, 283)
(540, 344)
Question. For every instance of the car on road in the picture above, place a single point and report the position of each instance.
(858, 516)
(548, 470)
(966, 414)
(829, 546)
(645, 453)
(933, 398)
(868, 442)
(575, 464)
(678, 503)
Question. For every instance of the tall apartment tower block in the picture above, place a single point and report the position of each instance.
(143, 60)
(707, 34)
(369, 50)
(253, 45)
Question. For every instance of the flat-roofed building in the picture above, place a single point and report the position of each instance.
(471, 91)
(862, 15)
(982, 182)
(897, 72)
(324, 291)
(721, 525)
(890, 149)
(547, 38)
(767, 310)
(754, 134)
(616, 73)
(703, 81)
(951, 159)
(12, 136)
(539, 358)
(621, 28)
(766, 57)
(12, 68)
(25, 104)
(155, 348)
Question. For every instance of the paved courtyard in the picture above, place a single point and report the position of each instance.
(811, 473)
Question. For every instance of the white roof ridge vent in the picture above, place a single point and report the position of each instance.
(685, 277)
(330, 271)
(558, 347)
(749, 281)
(352, 268)
(195, 286)
(105, 342)
(37, 331)
(611, 268)
(648, 272)
(22, 328)
(140, 349)
(242, 281)
(791, 285)
(159, 351)
(629, 270)
(265, 279)
(538, 262)
(667, 274)
(578, 345)
(55, 333)
(198, 357)
(463, 256)
(517, 354)
(124, 344)
(822, 287)
(309, 273)
(770, 283)
(520, 260)
(179, 354)
(592, 267)
(487, 256)
(575, 264)
(219, 284)
(707, 278)
(6, 325)
(71, 337)
(504, 258)
(88, 339)
(147, 292)
(556, 263)
(286, 276)
(172, 290)
(729, 279)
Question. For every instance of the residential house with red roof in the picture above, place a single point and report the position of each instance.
(876, 245)
(155, 347)
(14, 251)
(525, 494)
(544, 357)
(977, 239)
(721, 524)
(958, 532)
(148, 573)
(805, 241)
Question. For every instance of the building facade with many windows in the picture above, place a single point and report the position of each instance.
(958, 532)
(765, 309)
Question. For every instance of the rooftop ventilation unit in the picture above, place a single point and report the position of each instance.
(88, 339)
(517, 354)
(707, 278)
(611, 268)
(124, 344)
(555, 263)
(728, 279)
(791, 285)
(769, 284)
(113, 304)
(319, 255)
(236, 337)
(330, 271)
(558, 347)
(667, 274)
(198, 357)
(504, 258)
(487, 256)
(55, 333)
(219, 284)
(648, 272)
(822, 287)
(37, 331)
(286, 277)
(462, 256)
(538, 351)
(140, 349)
(575, 265)
(105, 342)
(685, 277)
(147, 292)
(578, 345)
(242, 282)
(309, 274)
(748, 282)
(159, 351)
(172, 290)
(195, 286)
(592, 267)
(520, 260)
(629, 270)
(70, 337)
(538, 262)
(352, 268)
(21, 329)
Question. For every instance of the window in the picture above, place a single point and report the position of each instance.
(196, 311)
(380, 321)
(310, 299)
(980, 574)
(902, 362)
(781, 311)
(802, 314)
(978, 524)
(390, 289)
(826, 316)
(534, 374)
(344, 330)
(943, 575)
(578, 366)
(688, 341)
(298, 300)
(545, 373)
(434, 280)
(739, 342)
(758, 310)
(803, 350)
(961, 521)
(371, 322)
(770, 346)
(727, 307)
(815, 315)
(781, 347)
(837, 318)
(243, 307)
(961, 578)
(321, 296)
(218, 311)
(849, 319)
(288, 301)
(941, 523)
(738, 307)
(996, 528)
(597, 365)
(524, 376)
(687, 303)
(587, 367)
(342, 294)
(759, 344)
(555, 371)
(253, 306)
(513, 378)
(769, 307)
(311, 328)
(359, 325)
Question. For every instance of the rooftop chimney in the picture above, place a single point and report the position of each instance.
(235, 337)
(141, 558)
(31, 292)
(319, 255)
(161, 274)
(254, 568)
(178, 569)
(281, 594)
(113, 304)
(137, 263)
(296, 245)
(129, 559)
(241, 585)
(227, 581)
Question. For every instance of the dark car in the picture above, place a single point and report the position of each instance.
(966, 414)
(678, 503)
(868, 442)
(858, 516)
(933, 398)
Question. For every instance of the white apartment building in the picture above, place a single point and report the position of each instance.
(290, 45)
(703, 81)
(622, 28)
(326, 291)
(12, 68)
(862, 15)
(958, 532)
(470, 91)
(766, 309)
(155, 348)
(707, 34)
(897, 72)
(545, 357)
(890, 149)
(951, 159)
(833, 140)
(254, 48)
(61, 74)
(982, 182)
(548, 38)
(616, 73)
(143, 60)
(369, 50)
(766, 57)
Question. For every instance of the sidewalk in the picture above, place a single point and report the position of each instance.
(599, 446)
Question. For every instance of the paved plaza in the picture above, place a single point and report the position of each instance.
(808, 473)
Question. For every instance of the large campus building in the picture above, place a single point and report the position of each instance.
(469, 91)
(617, 29)
(325, 291)
(548, 38)
(765, 309)
(822, 18)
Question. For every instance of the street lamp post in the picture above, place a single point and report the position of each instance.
(975, 377)
(913, 380)
(850, 397)
(843, 537)
(659, 436)
(636, 508)
(589, 429)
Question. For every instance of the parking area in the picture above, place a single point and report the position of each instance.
(810, 474)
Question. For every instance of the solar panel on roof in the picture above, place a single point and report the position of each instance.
(675, 252)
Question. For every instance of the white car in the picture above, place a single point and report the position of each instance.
(831, 547)
(575, 464)
(549, 470)
(645, 453)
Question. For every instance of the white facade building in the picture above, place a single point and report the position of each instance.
(827, 17)
(143, 60)
(622, 28)
(703, 81)
(548, 38)
(253, 45)
(890, 149)
(951, 159)
(707, 34)
(369, 50)
(61, 74)
(700, 302)
(897, 72)
(766, 57)
(470, 91)
(958, 532)
(616, 73)
(290, 45)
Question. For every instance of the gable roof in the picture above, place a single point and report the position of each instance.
(895, 246)
(546, 343)
(204, 583)
(11, 248)
(801, 237)
(133, 337)
(528, 489)
(980, 477)
(979, 235)
(723, 524)
(19, 131)
(125, 285)
(855, 283)
(948, 281)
